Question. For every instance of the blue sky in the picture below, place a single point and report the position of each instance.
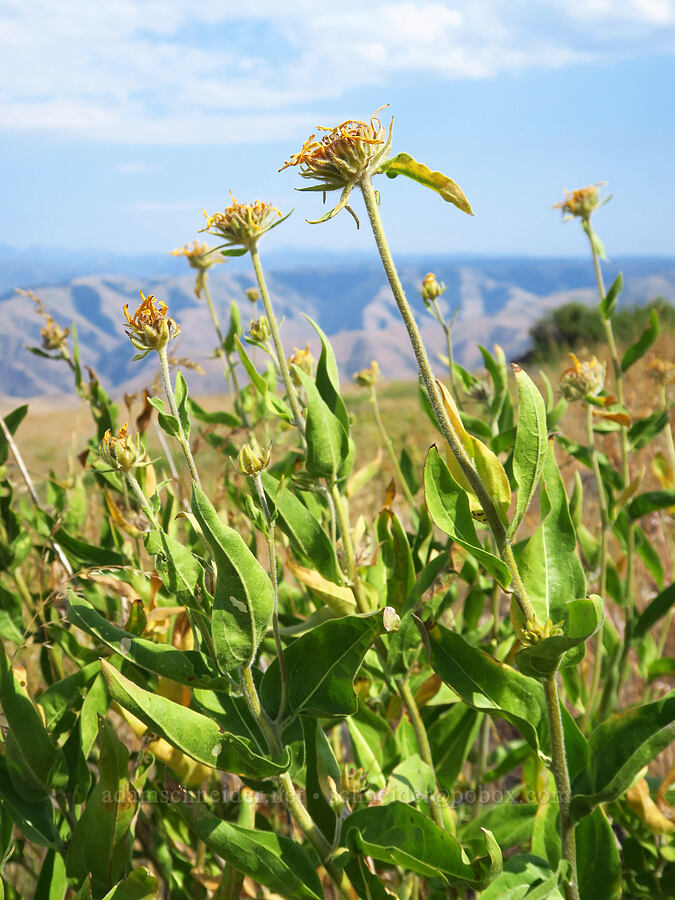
(120, 120)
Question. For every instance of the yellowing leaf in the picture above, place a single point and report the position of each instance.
(404, 164)
(488, 466)
(644, 807)
(338, 598)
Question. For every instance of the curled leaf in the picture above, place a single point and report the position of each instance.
(404, 164)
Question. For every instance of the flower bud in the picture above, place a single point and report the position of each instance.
(431, 288)
(354, 780)
(368, 377)
(120, 451)
(253, 294)
(260, 330)
(253, 459)
(582, 378)
(662, 371)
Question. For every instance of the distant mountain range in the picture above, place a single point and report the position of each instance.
(499, 300)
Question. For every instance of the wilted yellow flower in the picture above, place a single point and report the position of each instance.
(241, 224)
(582, 202)
(368, 377)
(252, 458)
(582, 378)
(201, 257)
(120, 451)
(304, 360)
(662, 370)
(150, 328)
(53, 336)
(431, 288)
(343, 157)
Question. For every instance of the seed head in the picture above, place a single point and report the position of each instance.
(253, 459)
(241, 224)
(432, 289)
(53, 336)
(581, 203)
(368, 377)
(582, 378)
(120, 452)
(344, 156)
(150, 328)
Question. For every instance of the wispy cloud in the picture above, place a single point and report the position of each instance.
(182, 73)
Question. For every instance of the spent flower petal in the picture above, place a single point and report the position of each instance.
(150, 328)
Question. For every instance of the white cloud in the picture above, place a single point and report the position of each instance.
(151, 72)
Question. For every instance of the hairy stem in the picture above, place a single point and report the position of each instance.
(562, 783)
(170, 396)
(271, 551)
(278, 346)
(386, 440)
(340, 504)
(411, 707)
(449, 433)
(448, 339)
(142, 500)
(602, 583)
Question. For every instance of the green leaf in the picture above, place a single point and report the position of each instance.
(642, 431)
(168, 423)
(200, 736)
(65, 695)
(309, 542)
(451, 738)
(52, 883)
(510, 823)
(400, 835)
(525, 876)
(35, 763)
(256, 379)
(531, 448)
(582, 618)
(598, 859)
(139, 885)
(12, 421)
(234, 329)
(101, 844)
(619, 748)
(272, 860)
(496, 367)
(449, 508)
(328, 380)
(397, 558)
(218, 417)
(637, 350)
(176, 565)
(404, 164)
(490, 686)
(185, 666)
(327, 440)
(321, 764)
(609, 301)
(322, 664)
(650, 502)
(76, 549)
(658, 607)
(181, 395)
(244, 597)
(549, 565)
(34, 818)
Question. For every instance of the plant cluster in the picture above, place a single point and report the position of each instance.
(249, 691)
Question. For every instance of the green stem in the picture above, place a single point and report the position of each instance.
(447, 429)
(602, 584)
(411, 707)
(562, 782)
(228, 366)
(290, 796)
(271, 551)
(142, 500)
(182, 440)
(386, 440)
(448, 339)
(629, 597)
(340, 504)
(278, 346)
